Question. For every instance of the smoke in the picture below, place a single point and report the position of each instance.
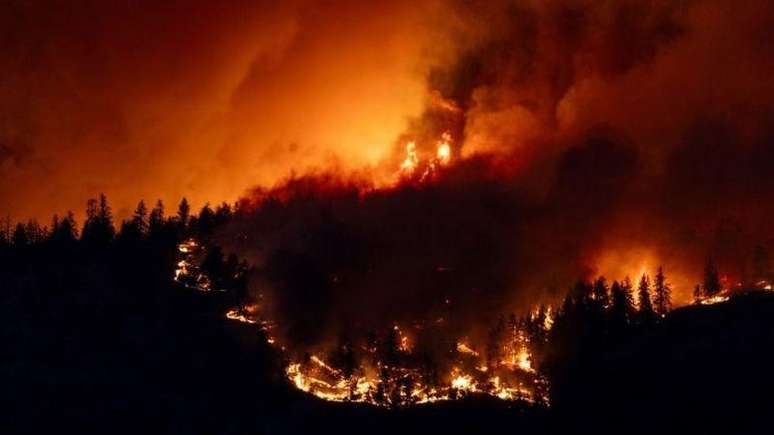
(144, 99)
(588, 138)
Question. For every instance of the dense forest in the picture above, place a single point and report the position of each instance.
(98, 337)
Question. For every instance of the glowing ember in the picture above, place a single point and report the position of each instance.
(713, 300)
(237, 315)
(401, 382)
(464, 348)
(187, 271)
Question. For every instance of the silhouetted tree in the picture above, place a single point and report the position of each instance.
(140, 218)
(64, 230)
(646, 313)
(390, 348)
(344, 357)
(601, 292)
(537, 331)
(223, 213)
(206, 221)
(628, 291)
(106, 217)
(494, 344)
(136, 228)
(5, 231)
(183, 214)
(697, 293)
(35, 234)
(213, 267)
(711, 285)
(156, 220)
(620, 306)
(98, 228)
(19, 237)
(662, 294)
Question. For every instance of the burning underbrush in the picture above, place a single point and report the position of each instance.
(423, 362)
(393, 370)
(402, 294)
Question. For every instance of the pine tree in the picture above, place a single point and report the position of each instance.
(223, 213)
(98, 228)
(35, 234)
(646, 313)
(183, 213)
(156, 219)
(5, 231)
(206, 222)
(712, 285)
(620, 306)
(106, 218)
(140, 218)
(628, 290)
(662, 297)
(494, 345)
(19, 237)
(54, 225)
(601, 292)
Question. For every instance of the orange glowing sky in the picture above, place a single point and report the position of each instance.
(147, 100)
(141, 100)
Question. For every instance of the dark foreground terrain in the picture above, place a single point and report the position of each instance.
(103, 342)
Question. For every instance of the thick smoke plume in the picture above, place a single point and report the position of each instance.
(588, 138)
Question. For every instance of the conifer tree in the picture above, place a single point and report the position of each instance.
(662, 294)
(620, 306)
(156, 219)
(183, 213)
(140, 218)
(601, 292)
(19, 237)
(646, 313)
(628, 290)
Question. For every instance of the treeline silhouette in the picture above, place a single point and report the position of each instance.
(93, 336)
(99, 227)
(96, 333)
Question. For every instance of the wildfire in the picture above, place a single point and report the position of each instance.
(239, 316)
(412, 162)
(318, 378)
(398, 380)
(443, 154)
(386, 385)
(187, 271)
(464, 348)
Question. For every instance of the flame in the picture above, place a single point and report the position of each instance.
(412, 160)
(410, 165)
(713, 300)
(187, 271)
(464, 348)
(462, 381)
(237, 315)
(443, 153)
(378, 383)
